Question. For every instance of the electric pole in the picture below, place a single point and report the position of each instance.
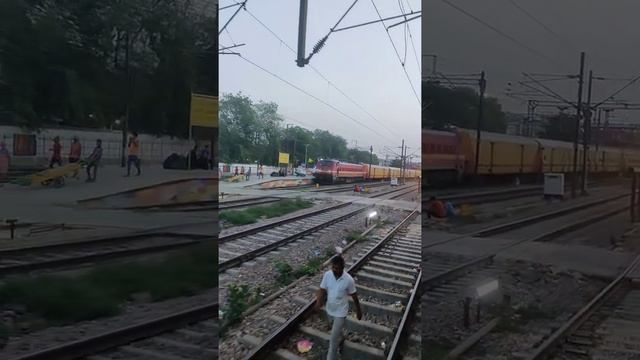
(306, 163)
(125, 124)
(577, 128)
(483, 84)
(402, 156)
(370, 160)
(302, 33)
(586, 133)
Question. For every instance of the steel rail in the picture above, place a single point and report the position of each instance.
(276, 338)
(125, 335)
(235, 261)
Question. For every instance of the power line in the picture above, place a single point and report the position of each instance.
(530, 16)
(396, 50)
(415, 53)
(321, 75)
(314, 97)
(501, 33)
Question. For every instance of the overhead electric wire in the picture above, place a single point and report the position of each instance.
(397, 54)
(322, 75)
(415, 53)
(535, 19)
(618, 91)
(501, 33)
(314, 97)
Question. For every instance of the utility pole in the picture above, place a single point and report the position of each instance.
(577, 128)
(370, 160)
(434, 63)
(302, 33)
(402, 163)
(483, 84)
(585, 137)
(597, 137)
(305, 155)
(125, 124)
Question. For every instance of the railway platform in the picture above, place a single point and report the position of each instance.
(47, 205)
(584, 259)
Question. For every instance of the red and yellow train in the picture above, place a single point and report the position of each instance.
(332, 171)
(449, 156)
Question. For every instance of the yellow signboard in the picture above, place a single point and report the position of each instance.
(204, 110)
(283, 158)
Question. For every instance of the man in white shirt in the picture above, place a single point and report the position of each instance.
(335, 289)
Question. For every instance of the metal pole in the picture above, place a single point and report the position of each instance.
(574, 180)
(435, 64)
(597, 137)
(370, 160)
(585, 137)
(125, 125)
(633, 197)
(306, 163)
(483, 85)
(302, 33)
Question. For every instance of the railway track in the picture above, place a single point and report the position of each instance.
(64, 255)
(230, 204)
(608, 327)
(237, 248)
(447, 275)
(387, 278)
(186, 335)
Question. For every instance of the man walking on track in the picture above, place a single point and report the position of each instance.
(134, 154)
(93, 161)
(334, 292)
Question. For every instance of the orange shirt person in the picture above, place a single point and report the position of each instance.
(435, 208)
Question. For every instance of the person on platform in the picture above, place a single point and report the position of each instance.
(435, 208)
(93, 161)
(75, 153)
(134, 154)
(5, 161)
(260, 172)
(335, 289)
(235, 173)
(56, 158)
(248, 174)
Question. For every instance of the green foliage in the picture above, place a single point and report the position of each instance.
(254, 131)
(355, 236)
(251, 215)
(103, 290)
(67, 61)
(237, 302)
(310, 268)
(459, 107)
(560, 127)
(285, 273)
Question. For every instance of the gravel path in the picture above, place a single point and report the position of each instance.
(132, 313)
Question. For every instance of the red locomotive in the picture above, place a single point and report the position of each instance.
(332, 171)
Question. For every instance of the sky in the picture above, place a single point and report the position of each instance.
(547, 39)
(360, 62)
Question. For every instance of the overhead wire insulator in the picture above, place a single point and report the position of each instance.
(320, 44)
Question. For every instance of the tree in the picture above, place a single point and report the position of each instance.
(65, 61)
(253, 131)
(560, 127)
(445, 107)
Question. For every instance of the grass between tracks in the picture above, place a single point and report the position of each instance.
(104, 290)
(252, 214)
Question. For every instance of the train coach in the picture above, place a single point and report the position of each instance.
(449, 156)
(332, 171)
